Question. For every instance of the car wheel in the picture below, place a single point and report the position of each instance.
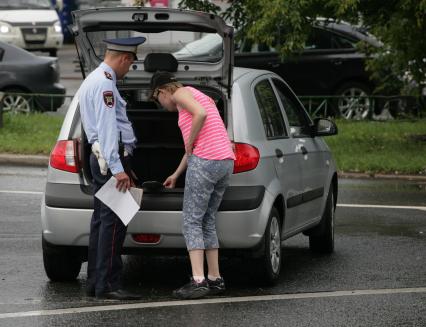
(53, 53)
(321, 237)
(351, 103)
(271, 257)
(16, 103)
(60, 264)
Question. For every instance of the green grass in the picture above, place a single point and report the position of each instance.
(29, 134)
(380, 147)
(372, 147)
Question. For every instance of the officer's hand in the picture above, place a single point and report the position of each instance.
(170, 182)
(123, 182)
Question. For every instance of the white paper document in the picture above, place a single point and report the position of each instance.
(125, 205)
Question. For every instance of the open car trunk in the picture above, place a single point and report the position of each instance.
(159, 147)
(177, 41)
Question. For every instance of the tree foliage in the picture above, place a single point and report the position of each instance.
(285, 24)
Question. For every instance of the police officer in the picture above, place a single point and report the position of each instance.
(103, 114)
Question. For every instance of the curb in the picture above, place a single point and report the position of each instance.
(24, 160)
(43, 161)
(419, 178)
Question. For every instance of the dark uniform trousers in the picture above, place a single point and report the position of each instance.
(107, 233)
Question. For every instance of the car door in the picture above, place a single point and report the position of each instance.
(308, 155)
(279, 147)
(327, 60)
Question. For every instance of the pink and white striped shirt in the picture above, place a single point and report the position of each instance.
(212, 142)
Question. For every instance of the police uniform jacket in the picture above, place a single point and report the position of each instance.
(103, 114)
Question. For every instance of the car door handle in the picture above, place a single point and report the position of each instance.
(279, 153)
(337, 62)
(303, 149)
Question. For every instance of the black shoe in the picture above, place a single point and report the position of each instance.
(192, 290)
(118, 295)
(216, 286)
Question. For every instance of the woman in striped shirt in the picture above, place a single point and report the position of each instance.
(209, 160)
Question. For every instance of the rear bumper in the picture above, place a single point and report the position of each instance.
(71, 196)
(237, 229)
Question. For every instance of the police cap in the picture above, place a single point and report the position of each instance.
(128, 44)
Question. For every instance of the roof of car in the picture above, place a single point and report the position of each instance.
(346, 28)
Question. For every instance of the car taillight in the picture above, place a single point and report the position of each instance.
(146, 238)
(64, 156)
(247, 157)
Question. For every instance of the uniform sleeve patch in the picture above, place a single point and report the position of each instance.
(109, 99)
(108, 75)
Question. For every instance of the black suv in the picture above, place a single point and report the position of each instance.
(330, 64)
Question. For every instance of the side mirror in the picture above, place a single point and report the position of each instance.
(324, 127)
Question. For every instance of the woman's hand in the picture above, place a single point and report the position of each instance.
(170, 181)
(188, 149)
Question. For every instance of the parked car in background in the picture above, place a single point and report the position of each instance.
(31, 25)
(284, 180)
(330, 64)
(23, 75)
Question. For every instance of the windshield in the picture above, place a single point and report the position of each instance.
(184, 45)
(25, 4)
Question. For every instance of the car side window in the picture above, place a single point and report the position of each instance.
(272, 117)
(341, 42)
(248, 46)
(298, 121)
(318, 39)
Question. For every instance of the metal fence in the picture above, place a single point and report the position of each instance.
(357, 108)
(15, 102)
(365, 107)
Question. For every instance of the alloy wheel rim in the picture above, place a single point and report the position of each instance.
(351, 106)
(16, 104)
(275, 245)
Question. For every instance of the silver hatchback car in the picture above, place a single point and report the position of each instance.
(284, 181)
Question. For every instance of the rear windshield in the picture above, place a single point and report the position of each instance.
(184, 45)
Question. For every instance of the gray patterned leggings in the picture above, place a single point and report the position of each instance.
(205, 183)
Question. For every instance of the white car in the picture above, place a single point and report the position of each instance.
(284, 180)
(31, 25)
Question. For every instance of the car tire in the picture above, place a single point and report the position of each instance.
(53, 53)
(60, 264)
(16, 103)
(349, 107)
(271, 258)
(321, 237)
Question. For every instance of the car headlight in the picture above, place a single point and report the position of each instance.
(5, 28)
(57, 27)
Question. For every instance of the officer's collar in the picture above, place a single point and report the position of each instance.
(108, 69)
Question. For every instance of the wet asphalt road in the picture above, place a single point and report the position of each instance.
(376, 277)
